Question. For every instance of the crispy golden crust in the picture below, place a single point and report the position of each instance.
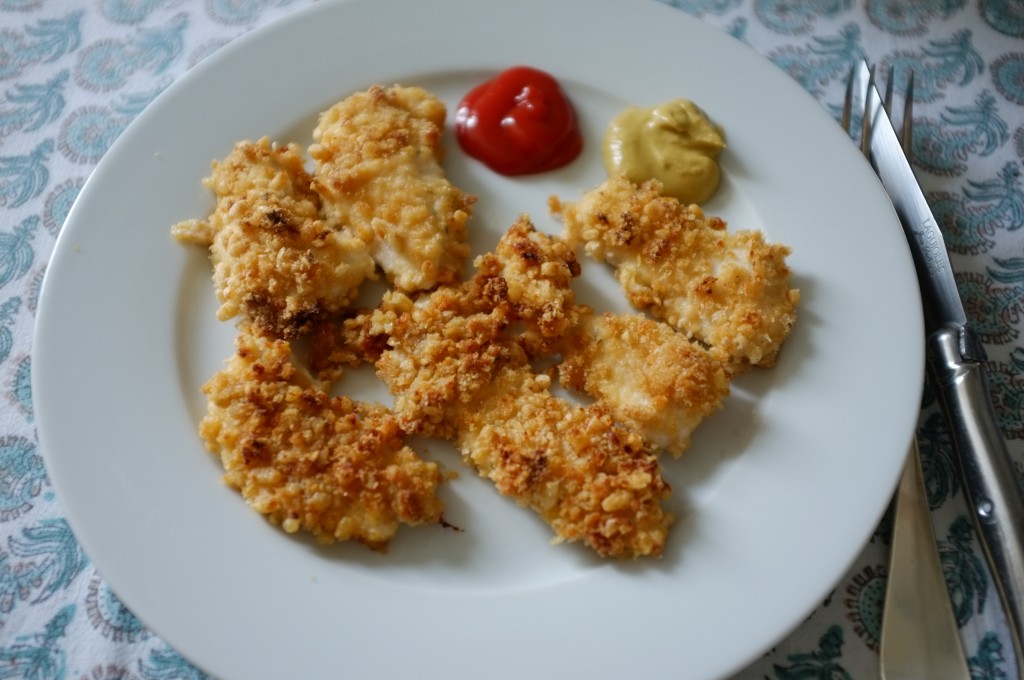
(536, 271)
(333, 345)
(331, 466)
(591, 478)
(456, 373)
(290, 250)
(647, 375)
(441, 351)
(274, 260)
(521, 291)
(377, 157)
(728, 290)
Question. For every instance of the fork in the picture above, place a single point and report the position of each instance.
(920, 638)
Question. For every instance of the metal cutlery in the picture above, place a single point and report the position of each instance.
(956, 362)
(920, 639)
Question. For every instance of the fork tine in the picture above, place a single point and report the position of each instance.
(888, 89)
(865, 133)
(908, 117)
(844, 120)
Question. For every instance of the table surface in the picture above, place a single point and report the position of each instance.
(59, 114)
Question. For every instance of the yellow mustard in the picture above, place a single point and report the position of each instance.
(674, 143)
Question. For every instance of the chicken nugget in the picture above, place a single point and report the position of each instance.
(730, 291)
(275, 262)
(377, 168)
(648, 376)
(591, 478)
(332, 466)
(455, 372)
(536, 271)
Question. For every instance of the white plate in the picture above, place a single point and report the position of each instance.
(778, 495)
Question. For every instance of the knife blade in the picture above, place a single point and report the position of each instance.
(919, 638)
(957, 368)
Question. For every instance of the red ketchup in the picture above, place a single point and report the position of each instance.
(519, 123)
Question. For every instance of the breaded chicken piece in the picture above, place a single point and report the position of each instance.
(537, 270)
(377, 167)
(730, 291)
(648, 376)
(440, 351)
(455, 374)
(332, 466)
(274, 260)
(592, 479)
(521, 291)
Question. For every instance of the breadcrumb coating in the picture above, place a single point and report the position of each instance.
(332, 466)
(730, 291)
(290, 248)
(536, 271)
(275, 262)
(377, 167)
(648, 376)
(521, 291)
(591, 478)
(456, 373)
(440, 351)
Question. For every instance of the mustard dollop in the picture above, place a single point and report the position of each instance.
(674, 143)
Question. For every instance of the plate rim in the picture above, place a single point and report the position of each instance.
(64, 250)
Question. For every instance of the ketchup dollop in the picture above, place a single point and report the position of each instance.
(520, 122)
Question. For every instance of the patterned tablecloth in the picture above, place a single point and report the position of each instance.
(74, 74)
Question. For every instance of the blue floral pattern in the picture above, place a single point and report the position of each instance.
(73, 78)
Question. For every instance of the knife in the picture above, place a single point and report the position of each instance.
(957, 368)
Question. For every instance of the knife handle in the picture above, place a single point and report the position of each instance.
(990, 483)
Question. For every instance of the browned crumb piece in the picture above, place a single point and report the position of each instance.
(274, 260)
(339, 343)
(591, 478)
(730, 291)
(377, 156)
(536, 271)
(647, 375)
(332, 466)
